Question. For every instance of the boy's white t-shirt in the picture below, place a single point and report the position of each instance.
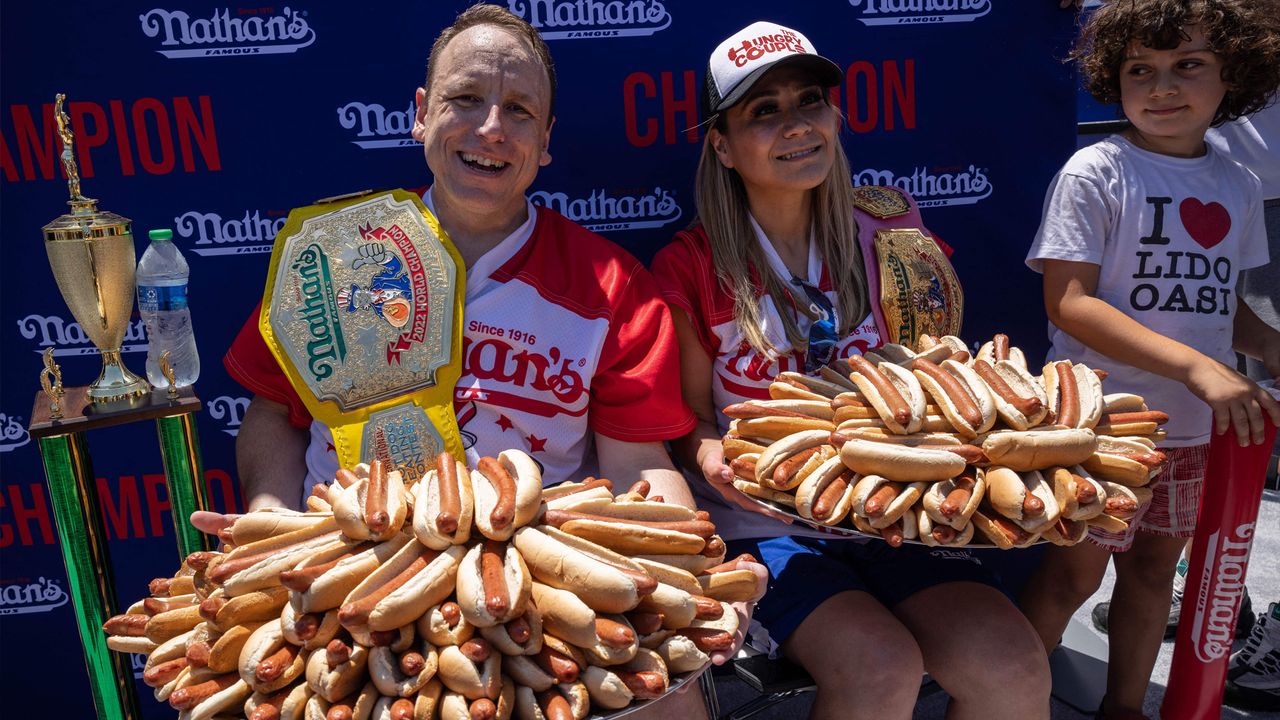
(1171, 236)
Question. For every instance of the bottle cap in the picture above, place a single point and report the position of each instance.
(162, 234)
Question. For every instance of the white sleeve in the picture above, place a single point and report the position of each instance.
(1075, 223)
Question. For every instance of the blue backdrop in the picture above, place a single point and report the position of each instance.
(216, 119)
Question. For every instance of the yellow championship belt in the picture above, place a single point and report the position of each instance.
(363, 310)
(919, 292)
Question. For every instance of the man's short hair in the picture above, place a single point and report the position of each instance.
(500, 17)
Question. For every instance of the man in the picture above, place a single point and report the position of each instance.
(569, 353)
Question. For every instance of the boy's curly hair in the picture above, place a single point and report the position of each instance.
(1245, 34)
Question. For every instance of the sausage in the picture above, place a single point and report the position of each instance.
(451, 612)
(955, 391)
(644, 684)
(504, 510)
(192, 695)
(1032, 506)
(708, 639)
(306, 626)
(357, 612)
(476, 650)
(155, 606)
(641, 488)
(955, 501)
(402, 709)
(1119, 504)
(200, 560)
(159, 587)
(376, 516)
(893, 535)
(1152, 459)
(274, 665)
(613, 633)
(198, 654)
(383, 638)
(1028, 406)
(493, 578)
(784, 470)
(831, 494)
(300, 580)
(702, 528)
(876, 505)
(162, 673)
(1086, 493)
(749, 411)
(707, 608)
(960, 356)
(519, 631)
(554, 705)
(714, 548)
(943, 533)
(1155, 416)
(557, 664)
(412, 663)
(210, 607)
(450, 501)
(336, 653)
(345, 477)
(1068, 396)
(1006, 527)
(344, 709)
(644, 623)
(892, 398)
(1000, 346)
(126, 625)
(972, 454)
(743, 468)
(483, 709)
(265, 711)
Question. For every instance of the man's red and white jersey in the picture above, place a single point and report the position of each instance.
(564, 335)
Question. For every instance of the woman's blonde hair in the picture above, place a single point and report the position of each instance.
(740, 262)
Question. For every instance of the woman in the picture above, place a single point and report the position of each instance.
(774, 277)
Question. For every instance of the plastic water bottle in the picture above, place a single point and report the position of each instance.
(162, 302)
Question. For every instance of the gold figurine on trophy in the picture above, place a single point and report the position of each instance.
(92, 256)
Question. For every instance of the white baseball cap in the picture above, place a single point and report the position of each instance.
(738, 62)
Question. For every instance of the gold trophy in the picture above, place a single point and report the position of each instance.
(92, 256)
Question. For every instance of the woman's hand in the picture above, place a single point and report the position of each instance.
(720, 476)
(1235, 400)
(744, 610)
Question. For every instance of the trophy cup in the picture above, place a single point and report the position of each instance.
(92, 256)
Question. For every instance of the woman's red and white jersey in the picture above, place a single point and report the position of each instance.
(687, 275)
(564, 335)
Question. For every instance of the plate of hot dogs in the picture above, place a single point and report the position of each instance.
(469, 593)
(942, 447)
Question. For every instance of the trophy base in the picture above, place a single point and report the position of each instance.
(116, 383)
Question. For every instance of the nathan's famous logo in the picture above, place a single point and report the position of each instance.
(13, 434)
(397, 292)
(68, 338)
(213, 235)
(916, 303)
(320, 311)
(230, 410)
(25, 597)
(378, 127)
(224, 32)
(915, 12)
(600, 212)
(1221, 588)
(508, 357)
(572, 19)
(933, 187)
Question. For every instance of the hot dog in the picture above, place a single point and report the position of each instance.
(1074, 394)
(772, 469)
(826, 494)
(1127, 461)
(828, 386)
(1026, 498)
(259, 564)
(372, 508)
(443, 504)
(472, 669)
(356, 705)
(901, 462)
(893, 391)
(1000, 530)
(493, 584)
(287, 704)
(880, 503)
(402, 674)
(998, 348)
(961, 395)
(338, 671)
(1020, 401)
(521, 635)
(1143, 422)
(507, 492)
(644, 677)
(322, 581)
(402, 588)
(1120, 506)
(808, 409)
(444, 624)
(1041, 448)
(268, 662)
(605, 580)
(896, 533)
(1079, 496)
(940, 535)
(952, 502)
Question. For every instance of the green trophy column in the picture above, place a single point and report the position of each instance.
(184, 474)
(84, 551)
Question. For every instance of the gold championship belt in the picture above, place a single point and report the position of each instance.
(919, 292)
(363, 310)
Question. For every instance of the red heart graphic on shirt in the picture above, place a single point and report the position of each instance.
(1206, 224)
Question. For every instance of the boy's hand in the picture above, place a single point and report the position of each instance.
(1235, 400)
